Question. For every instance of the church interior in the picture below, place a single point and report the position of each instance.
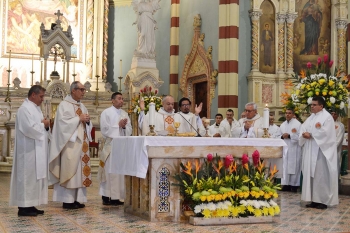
(222, 53)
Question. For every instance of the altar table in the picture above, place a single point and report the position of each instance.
(150, 163)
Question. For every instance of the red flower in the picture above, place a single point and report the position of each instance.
(325, 58)
(141, 91)
(150, 88)
(308, 65)
(318, 61)
(145, 89)
(156, 92)
(209, 157)
(245, 159)
(228, 160)
(330, 63)
(256, 158)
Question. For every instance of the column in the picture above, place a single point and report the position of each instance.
(174, 50)
(341, 36)
(290, 35)
(281, 19)
(255, 16)
(228, 56)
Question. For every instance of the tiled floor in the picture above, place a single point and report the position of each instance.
(98, 218)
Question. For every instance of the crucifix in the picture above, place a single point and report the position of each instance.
(58, 14)
(56, 51)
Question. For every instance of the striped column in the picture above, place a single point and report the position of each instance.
(174, 50)
(290, 35)
(228, 56)
(341, 36)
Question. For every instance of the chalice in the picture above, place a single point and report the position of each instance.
(176, 125)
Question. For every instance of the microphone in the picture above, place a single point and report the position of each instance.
(198, 135)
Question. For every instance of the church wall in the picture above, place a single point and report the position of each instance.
(210, 21)
(244, 62)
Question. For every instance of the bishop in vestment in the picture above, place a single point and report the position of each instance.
(319, 163)
(251, 125)
(69, 162)
(29, 187)
(114, 122)
(164, 118)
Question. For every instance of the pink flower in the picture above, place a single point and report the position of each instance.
(318, 61)
(150, 88)
(228, 160)
(256, 158)
(308, 65)
(330, 63)
(325, 58)
(245, 159)
(145, 89)
(156, 92)
(209, 157)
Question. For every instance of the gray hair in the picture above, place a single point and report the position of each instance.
(165, 97)
(252, 103)
(74, 85)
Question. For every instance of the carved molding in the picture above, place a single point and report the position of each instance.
(198, 66)
(255, 15)
(341, 24)
(147, 76)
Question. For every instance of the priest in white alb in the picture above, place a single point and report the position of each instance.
(69, 161)
(214, 129)
(250, 126)
(164, 118)
(228, 124)
(292, 159)
(339, 130)
(114, 122)
(189, 122)
(319, 157)
(274, 130)
(29, 187)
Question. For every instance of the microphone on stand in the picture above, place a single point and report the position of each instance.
(198, 135)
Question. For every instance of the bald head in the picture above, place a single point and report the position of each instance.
(168, 103)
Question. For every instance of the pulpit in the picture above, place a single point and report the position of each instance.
(150, 164)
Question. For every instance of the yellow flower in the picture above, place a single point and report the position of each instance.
(267, 196)
(242, 209)
(241, 195)
(272, 211)
(220, 213)
(313, 83)
(203, 198)
(261, 193)
(224, 196)
(321, 81)
(302, 86)
(206, 213)
(277, 209)
(250, 209)
(275, 195)
(340, 85)
(324, 93)
(330, 82)
(235, 211)
(225, 213)
(246, 195)
(308, 87)
(330, 92)
(257, 195)
(257, 213)
(297, 92)
(214, 214)
(218, 197)
(210, 198)
(317, 93)
(265, 211)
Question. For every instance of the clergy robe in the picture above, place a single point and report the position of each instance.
(291, 159)
(29, 169)
(319, 162)
(339, 130)
(275, 131)
(111, 185)
(213, 129)
(185, 125)
(164, 121)
(255, 130)
(226, 129)
(69, 162)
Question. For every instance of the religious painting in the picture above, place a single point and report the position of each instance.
(267, 38)
(22, 20)
(312, 32)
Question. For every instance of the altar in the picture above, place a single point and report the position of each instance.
(150, 164)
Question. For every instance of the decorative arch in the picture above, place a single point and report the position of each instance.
(198, 69)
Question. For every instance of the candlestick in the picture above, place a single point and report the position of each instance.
(73, 65)
(266, 117)
(96, 100)
(121, 73)
(97, 65)
(8, 99)
(152, 111)
(32, 62)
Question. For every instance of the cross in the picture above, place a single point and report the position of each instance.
(58, 14)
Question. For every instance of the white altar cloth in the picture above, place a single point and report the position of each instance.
(129, 155)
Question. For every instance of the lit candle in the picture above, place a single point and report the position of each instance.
(152, 111)
(10, 60)
(32, 62)
(266, 117)
(97, 65)
(121, 73)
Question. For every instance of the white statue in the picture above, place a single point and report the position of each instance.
(146, 25)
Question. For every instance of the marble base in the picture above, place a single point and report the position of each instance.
(198, 221)
(143, 62)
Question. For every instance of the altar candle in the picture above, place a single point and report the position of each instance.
(121, 73)
(97, 65)
(10, 60)
(152, 112)
(266, 117)
(32, 62)
(73, 65)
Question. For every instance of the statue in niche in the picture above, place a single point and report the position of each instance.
(312, 17)
(146, 25)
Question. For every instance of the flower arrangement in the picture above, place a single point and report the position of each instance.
(226, 188)
(332, 87)
(148, 96)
